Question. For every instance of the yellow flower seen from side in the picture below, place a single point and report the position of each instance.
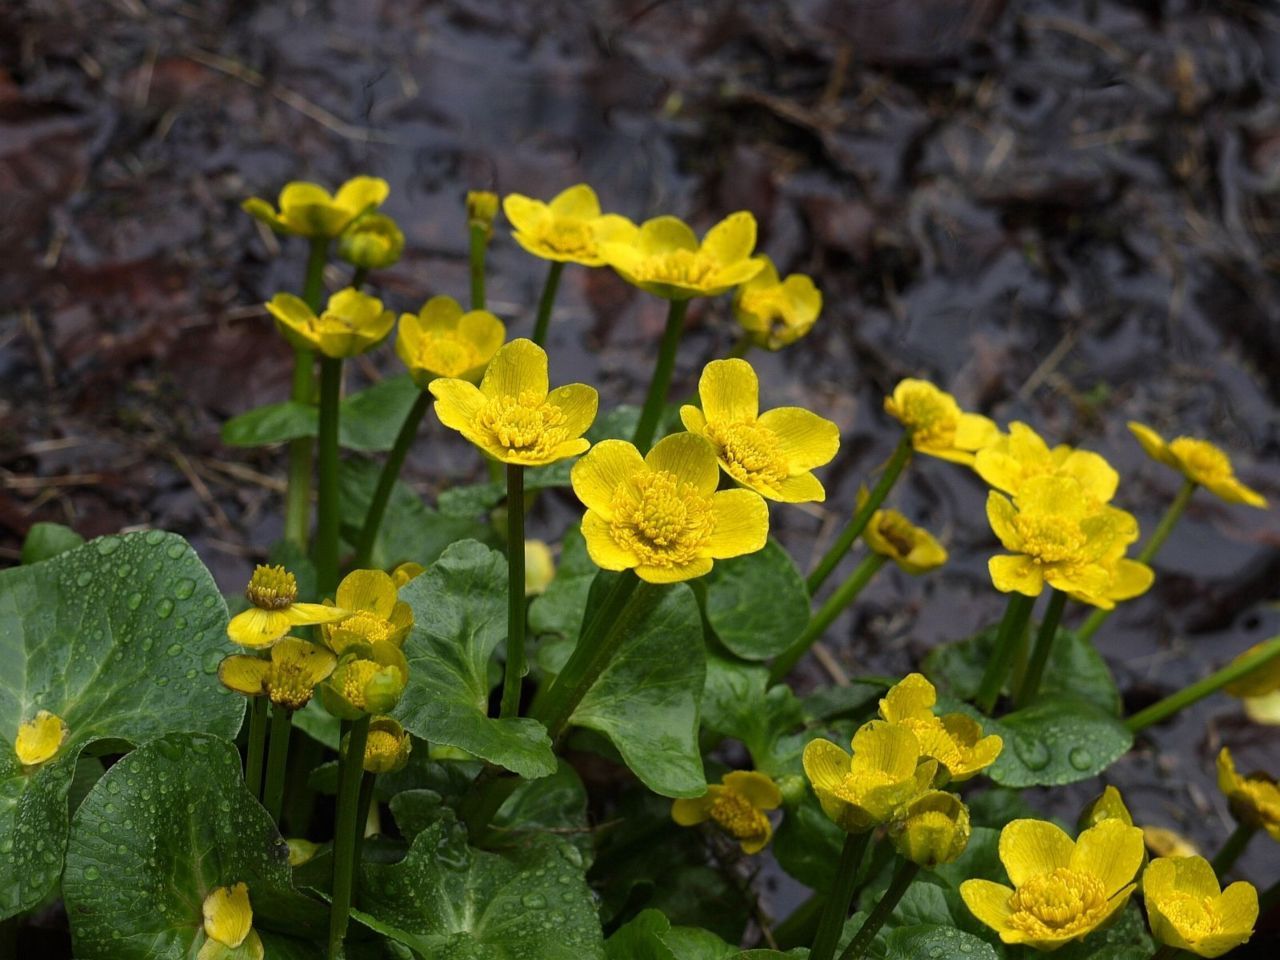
(289, 677)
(364, 685)
(309, 210)
(274, 609)
(1264, 709)
(1261, 681)
(1021, 454)
(1107, 806)
(937, 425)
(1189, 910)
(1164, 842)
(513, 415)
(228, 925)
(661, 515)
(772, 453)
(405, 572)
(40, 738)
(539, 567)
(301, 850)
(373, 242)
(930, 829)
(914, 549)
(954, 740)
(569, 229)
(864, 790)
(440, 340)
(775, 313)
(388, 746)
(482, 209)
(1063, 890)
(664, 257)
(738, 805)
(375, 614)
(352, 323)
(1254, 799)
(1199, 461)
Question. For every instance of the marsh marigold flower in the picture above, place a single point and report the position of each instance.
(513, 415)
(776, 313)
(931, 828)
(405, 572)
(374, 242)
(937, 425)
(569, 229)
(366, 684)
(228, 925)
(440, 340)
(375, 613)
(1189, 910)
(1254, 800)
(288, 677)
(737, 805)
(387, 748)
(40, 738)
(1016, 457)
(772, 453)
(664, 256)
(1063, 890)
(1199, 461)
(309, 210)
(890, 534)
(661, 514)
(954, 740)
(352, 323)
(274, 609)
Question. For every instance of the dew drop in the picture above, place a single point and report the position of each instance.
(154, 537)
(184, 588)
(1080, 758)
(108, 545)
(134, 601)
(175, 550)
(534, 901)
(1033, 753)
(174, 649)
(84, 579)
(164, 608)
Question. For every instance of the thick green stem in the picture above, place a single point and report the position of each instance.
(479, 244)
(662, 371)
(861, 942)
(546, 302)
(362, 812)
(1048, 632)
(297, 507)
(513, 675)
(818, 623)
(1148, 552)
(1236, 670)
(1016, 615)
(358, 278)
(277, 760)
(326, 549)
(836, 910)
(257, 745)
(893, 469)
(387, 479)
(1226, 857)
(350, 775)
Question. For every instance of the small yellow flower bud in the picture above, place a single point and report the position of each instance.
(40, 738)
(1108, 806)
(406, 572)
(539, 567)
(271, 588)
(373, 242)
(301, 850)
(931, 829)
(482, 209)
(388, 746)
(362, 686)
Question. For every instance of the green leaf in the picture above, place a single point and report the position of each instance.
(935, 940)
(807, 844)
(1125, 939)
(650, 936)
(557, 614)
(757, 604)
(557, 802)
(46, 540)
(735, 703)
(273, 423)
(460, 617)
(163, 828)
(121, 638)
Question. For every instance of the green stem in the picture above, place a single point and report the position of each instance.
(326, 549)
(836, 910)
(358, 278)
(901, 456)
(546, 302)
(350, 775)
(387, 479)
(1236, 670)
(479, 244)
(841, 598)
(257, 745)
(277, 760)
(1231, 850)
(902, 879)
(362, 811)
(1016, 615)
(513, 675)
(1048, 632)
(297, 507)
(1148, 552)
(662, 371)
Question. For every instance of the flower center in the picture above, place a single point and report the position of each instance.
(855, 786)
(1202, 460)
(289, 685)
(1056, 902)
(382, 745)
(524, 424)
(1050, 538)
(271, 588)
(898, 532)
(735, 814)
(751, 452)
(355, 680)
(661, 519)
(570, 236)
(1194, 916)
(930, 417)
(688, 267)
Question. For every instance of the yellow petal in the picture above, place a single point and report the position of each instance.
(605, 552)
(1016, 574)
(690, 458)
(371, 590)
(300, 193)
(729, 391)
(244, 674)
(292, 311)
(458, 403)
(1112, 851)
(887, 748)
(439, 314)
(1233, 491)
(310, 614)
(40, 738)
(732, 239)
(760, 790)
(1029, 848)
(912, 697)
(361, 193)
(753, 845)
(989, 902)
(578, 403)
(518, 367)
(1264, 709)
(228, 916)
(1238, 908)
(1000, 514)
(258, 628)
(526, 214)
(826, 765)
(606, 467)
(802, 488)
(665, 234)
(1129, 579)
(483, 331)
(578, 201)
(259, 209)
(974, 431)
(697, 567)
(741, 524)
(611, 228)
(1098, 478)
(309, 662)
(693, 419)
(806, 439)
(1152, 443)
(691, 812)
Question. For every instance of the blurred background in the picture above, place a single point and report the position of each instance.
(1063, 212)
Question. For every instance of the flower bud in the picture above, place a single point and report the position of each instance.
(539, 567)
(373, 242)
(1108, 806)
(362, 686)
(482, 208)
(388, 746)
(931, 829)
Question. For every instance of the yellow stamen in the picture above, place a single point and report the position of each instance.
(661, 519)
(752, 453)
(271, 588)
(738, 818)
(527, 425)
(1054, 903)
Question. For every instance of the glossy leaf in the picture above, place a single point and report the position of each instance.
(757, 604)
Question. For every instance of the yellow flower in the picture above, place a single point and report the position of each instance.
(539, 567)
(512, 415)
(890, 534)
(862, 791)
(1108, 806)
(352, 323)
(288, 678)
(776, 313)
(228, 925)
(387, 749)
(40, 738)
(737, 806)
(309, 210)
(1189, 910)
(364, 685)
(442, 341)
(274, 610)
(930, 829)
(1254, 800)
(1014, 458)
(301, 850)
(1199, 461)
(569, 229)
(375, 614)
(1262, 681)
(1164, 842)
(772, 453)
(1061, 536)
(954, 740)
(482, 208)
(373, 242)
(936, 423)
(661, 514)
(406, 572)
(1264, 709)
(1063, 890)
(664, 256)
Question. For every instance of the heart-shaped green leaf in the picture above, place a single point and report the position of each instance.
(44, 541)
(757, 604)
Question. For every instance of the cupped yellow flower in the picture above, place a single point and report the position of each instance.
(352, 323)
(387, 748)
(1014, 458)
(539, 567)
(937, 425)
(40, 738)
(1264, 709)
(890, 534)
(864, 790)
(772, 453)
(1189, 910)
(1199, 461)
(1254, 799)
(569, 229)
(776, 313)
(1109, 805)
(289, 677)
(482, 208)
(1262, 681)
(309, 210)
(274, 609)
(661, 514)
(366, 684)
(405, 572)
(373, 242)
(1063, 890)
(228, 925)
(513, 415)
(930, 829)
(737, 805)
(954, 740)
(440, 340)
(301, 850)
(664, 256)
(375, 614)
